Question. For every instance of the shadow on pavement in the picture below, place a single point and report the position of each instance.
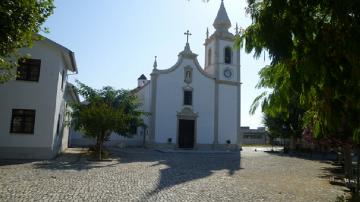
(74, 161)
(179, 167)
(183, 167)
(317, 156)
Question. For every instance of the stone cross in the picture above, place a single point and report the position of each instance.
(187, 33)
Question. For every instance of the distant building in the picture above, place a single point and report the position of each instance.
(33, 106)
(254, 136)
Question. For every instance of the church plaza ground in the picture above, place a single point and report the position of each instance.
(147, 175)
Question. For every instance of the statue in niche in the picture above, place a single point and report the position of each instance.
(187, 76)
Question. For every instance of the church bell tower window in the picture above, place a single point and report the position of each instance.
(228, 54)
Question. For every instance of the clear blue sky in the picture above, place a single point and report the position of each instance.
(116, 41)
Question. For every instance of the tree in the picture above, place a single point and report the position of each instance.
(282, 119)
(285, 125)
(20, 20)
(106, 111)
(315, 49)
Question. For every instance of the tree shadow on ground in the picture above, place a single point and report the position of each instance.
(76, 162)
(316, 156)
(178, 168)
(9, 162)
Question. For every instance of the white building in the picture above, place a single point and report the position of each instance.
(193, 107)
(32, 107)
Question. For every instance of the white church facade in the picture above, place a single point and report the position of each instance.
(193, 107)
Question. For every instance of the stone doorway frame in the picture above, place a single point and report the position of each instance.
(186, 114)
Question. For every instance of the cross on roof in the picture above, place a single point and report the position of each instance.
(187, 33)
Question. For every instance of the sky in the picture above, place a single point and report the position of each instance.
(115, 41)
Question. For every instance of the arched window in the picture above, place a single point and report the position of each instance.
(228, 55)
(209, 57)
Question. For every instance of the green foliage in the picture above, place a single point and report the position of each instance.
(284, 124)
(105, 111)
(19, 21)
(315, 49)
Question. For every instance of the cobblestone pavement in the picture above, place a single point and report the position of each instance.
(145, 175)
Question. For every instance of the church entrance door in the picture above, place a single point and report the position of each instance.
(186, 133)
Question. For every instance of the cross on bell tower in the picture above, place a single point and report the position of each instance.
(187, 33)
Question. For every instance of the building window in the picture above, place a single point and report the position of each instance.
(58, 126)
(228, 54)
(22, 121)
(63, 77)
(209, 57)
(187, 97)
(28, 70)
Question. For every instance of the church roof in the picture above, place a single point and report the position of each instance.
(142, 77)
(222, 21)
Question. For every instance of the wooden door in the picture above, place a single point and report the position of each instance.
(186, 133)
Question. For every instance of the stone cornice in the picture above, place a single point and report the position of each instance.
(226, 36)
(232, 83)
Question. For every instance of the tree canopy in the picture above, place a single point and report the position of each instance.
(314, 47)
(106, 111)
(19, 21)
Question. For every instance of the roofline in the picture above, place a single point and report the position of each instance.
(137, 89)
(64, 50)
(73, 61)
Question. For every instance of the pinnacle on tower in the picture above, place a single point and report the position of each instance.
(155, 63)
(222, 21)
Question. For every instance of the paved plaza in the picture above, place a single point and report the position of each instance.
(148, 175)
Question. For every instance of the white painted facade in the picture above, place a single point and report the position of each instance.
(46, 97)
(215, 107)
(170, 87)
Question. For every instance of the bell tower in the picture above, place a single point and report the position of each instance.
(223, 62)
(221, 59)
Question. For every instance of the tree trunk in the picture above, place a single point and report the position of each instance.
(340, 155)
(347, 161)
(100, 150)
(144, 136)
(292, 142)
(99, 144)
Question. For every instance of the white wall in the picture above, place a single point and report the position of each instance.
(228, 122)
(144, 96)
(39, 96)
(169, 97)
(60, 109)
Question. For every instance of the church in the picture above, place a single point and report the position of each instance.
(192, 107)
